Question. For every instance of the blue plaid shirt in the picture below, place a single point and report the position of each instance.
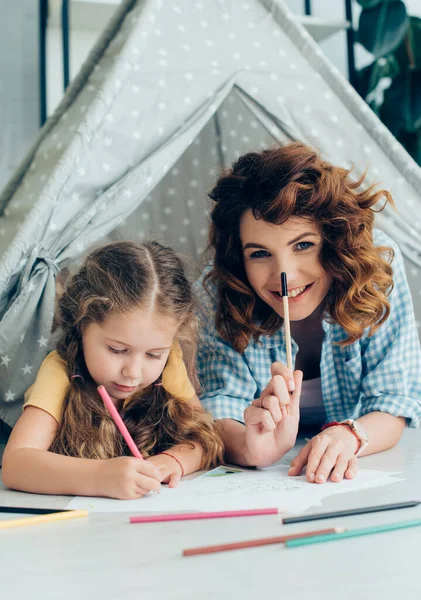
(378, 373)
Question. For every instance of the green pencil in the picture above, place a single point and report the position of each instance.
(317, 539)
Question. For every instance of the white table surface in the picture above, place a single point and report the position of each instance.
(104, 557)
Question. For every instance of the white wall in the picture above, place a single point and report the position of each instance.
(88, 18)
(81, 42)
(19, 83)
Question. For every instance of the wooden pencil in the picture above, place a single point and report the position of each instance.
(26, 510)
(221, 514)
(349, 533)
(349, 512)
(119, 421)
(279, 539)
(60, 516)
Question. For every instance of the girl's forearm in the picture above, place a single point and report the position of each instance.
(190, 458)
(43, 472)
(383, 430)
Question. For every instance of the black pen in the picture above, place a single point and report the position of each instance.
(349, 513)
(284, 293)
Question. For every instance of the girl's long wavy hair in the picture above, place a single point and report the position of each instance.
(294, 181)
(118, 278)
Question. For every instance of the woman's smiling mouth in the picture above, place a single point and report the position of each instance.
(294, 295)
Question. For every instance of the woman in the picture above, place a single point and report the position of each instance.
(355, 344)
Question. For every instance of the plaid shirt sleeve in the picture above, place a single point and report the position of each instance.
(392, 359)
(227, 384)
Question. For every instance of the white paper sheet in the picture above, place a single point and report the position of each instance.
(261, 488)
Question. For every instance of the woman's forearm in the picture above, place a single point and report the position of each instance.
(43, 472)
(383, 430)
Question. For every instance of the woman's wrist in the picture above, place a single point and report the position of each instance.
(264, 458)
(344, 433)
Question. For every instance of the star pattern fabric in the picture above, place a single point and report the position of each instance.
(172, 94)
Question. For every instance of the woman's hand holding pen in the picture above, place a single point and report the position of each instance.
(127, 478)
(272, 420)
(330, 453)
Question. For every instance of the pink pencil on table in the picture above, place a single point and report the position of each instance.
(119, 421)
(206, 515)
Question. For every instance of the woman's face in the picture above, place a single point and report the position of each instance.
(293, 247)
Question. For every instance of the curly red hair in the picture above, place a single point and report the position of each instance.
(294, 181)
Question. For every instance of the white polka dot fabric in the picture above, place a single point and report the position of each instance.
(173, 93)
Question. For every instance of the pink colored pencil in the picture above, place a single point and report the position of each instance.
(205, 515)
(119, 421)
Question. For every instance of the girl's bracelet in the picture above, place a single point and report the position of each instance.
(176, 459)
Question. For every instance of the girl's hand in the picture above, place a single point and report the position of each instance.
(272, 420)
(331, 452)
(170, 471)
(127, 478)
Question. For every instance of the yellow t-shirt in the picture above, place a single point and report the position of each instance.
(52, 382)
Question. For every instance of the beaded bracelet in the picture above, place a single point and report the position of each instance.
(338, 423)
(176, 459)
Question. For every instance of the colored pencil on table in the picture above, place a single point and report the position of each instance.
(205, 515)
(350, 512)
(286, 319)
(279, 539)
(59, 516)
(119, 421)
(348, 533)
(25, 510)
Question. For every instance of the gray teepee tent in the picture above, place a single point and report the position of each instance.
(172, 92)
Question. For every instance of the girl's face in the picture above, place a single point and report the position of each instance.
(127, 352)
(293, 247)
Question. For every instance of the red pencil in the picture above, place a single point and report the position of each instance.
(259, 542)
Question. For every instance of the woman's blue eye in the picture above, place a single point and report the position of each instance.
(304, 246)
(259, 254)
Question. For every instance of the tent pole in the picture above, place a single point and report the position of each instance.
(43, 19)
(350, 35)
(65, 22)
(218, 141)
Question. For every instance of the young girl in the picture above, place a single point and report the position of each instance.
(355, 341)
(124, 317)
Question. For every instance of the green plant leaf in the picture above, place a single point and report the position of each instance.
(412, 144)
(366, 81)
(414, 121)
(370, 3)
(401, 109)
(401, 56)
(392, 109)
(414, 40)
(369, 77)
(383, 27)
